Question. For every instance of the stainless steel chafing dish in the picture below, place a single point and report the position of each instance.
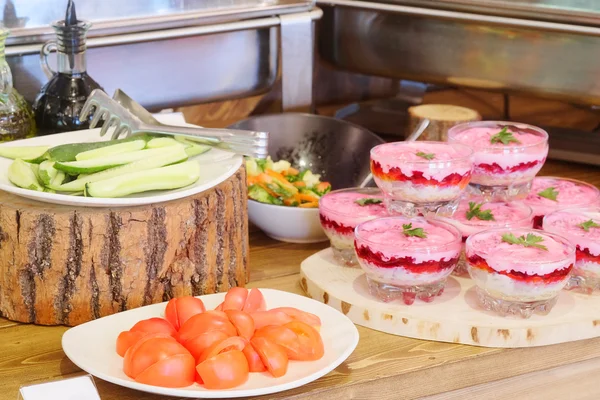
(168, 53)
(544, 47)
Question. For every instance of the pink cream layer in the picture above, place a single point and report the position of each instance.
(342, 208)
(504, 257)
(385, 236)
(447, 159)
(568, 224)
(515, 215)
(570, 193)
(531, 149)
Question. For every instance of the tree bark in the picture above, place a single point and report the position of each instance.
(442, 117)
(69, 265)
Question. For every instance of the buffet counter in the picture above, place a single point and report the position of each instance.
(382, 366)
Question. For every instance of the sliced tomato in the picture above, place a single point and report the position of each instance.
(155, 325)
(235, 299)
(232, 343)
(149, 350)
(287, 339)
(205, 322)
(254, 362)
(310, 340)
(218, 314)
(255, 301)
(180, 309)
(302, 316)
(174, 371)
(243, 322)
(127, 339)
(266, 318)
(224, 371)
(272, 355)
(197, 345)
(219, 307)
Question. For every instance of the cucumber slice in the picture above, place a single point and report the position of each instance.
(171, 177)
(47, 172)
(68, 152)
(119, 148)
(21, 174)
(25, 153)
(167, 156)
(163, 142)
(197, 149)
(100, 164)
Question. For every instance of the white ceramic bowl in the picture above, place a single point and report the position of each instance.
(287, 224)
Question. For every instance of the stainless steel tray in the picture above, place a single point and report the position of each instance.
(550, 59)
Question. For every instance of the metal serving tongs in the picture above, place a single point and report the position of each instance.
(129, 118)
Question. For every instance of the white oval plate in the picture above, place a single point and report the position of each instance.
(91, 346)
(217, 165)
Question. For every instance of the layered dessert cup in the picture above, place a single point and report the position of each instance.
(474, 215)
(406, 258)
(421, 178)
(519, 271)
(582, 228)
(549, 194)
(507, 157)
(341, 211)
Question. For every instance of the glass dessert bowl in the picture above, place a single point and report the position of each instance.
(474, 216)
(407, 258)
(421, 178)
(341, 211)
(582, 228)
(519, 271)
(507, 157)
(549, 194)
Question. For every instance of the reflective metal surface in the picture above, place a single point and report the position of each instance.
(472, 50)
(338, 150)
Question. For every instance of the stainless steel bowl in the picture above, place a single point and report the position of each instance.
(338, 150)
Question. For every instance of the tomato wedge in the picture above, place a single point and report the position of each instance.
(224, 371)
(254, 362)
(197, 345)
(180, 309)
(311, 342)
(272, 355)
(235, 299)
(255, 301)
(219, 307)
(127, 339)
(205, 322)
(148, 351)
(232, 343)
(175, 371)
(266, 318)
(287, 339)
(302, 316)
(243, 322)
(154, 325)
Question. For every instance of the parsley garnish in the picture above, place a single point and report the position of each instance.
(475, 211)
(549, 193)
(588, 224)
(504, 137)
(367, 200)
(530, 241)
(427, 156)
(408, 230)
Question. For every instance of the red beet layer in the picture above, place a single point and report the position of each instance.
(538, 221)
(553, 277)
(343, 229)
(417, 178)
(585, 255)
(497, 169)
(408, 263)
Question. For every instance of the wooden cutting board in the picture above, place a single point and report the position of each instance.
(453, 317)
(69, 265)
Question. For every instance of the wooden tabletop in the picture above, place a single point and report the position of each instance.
(383, 366)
